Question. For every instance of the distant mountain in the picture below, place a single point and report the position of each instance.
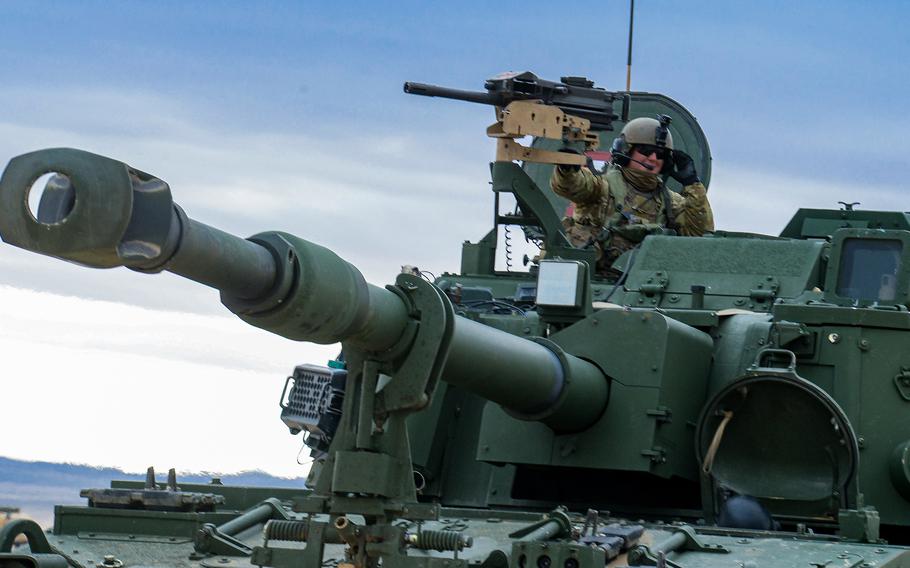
(35, 487)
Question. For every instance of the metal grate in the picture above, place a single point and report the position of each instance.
(312, 402)
(310, 387)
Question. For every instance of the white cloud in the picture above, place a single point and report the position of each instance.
(378, 200)
(169, 383)
(747, 200)
(107, 384)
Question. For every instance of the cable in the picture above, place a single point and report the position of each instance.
(495, 303)
(715, 442)
(625, 275)
(307, 461)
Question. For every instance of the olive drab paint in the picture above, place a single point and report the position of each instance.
(758, 381)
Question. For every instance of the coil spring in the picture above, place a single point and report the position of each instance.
(289, 531)
(508, 239)
(442, 540)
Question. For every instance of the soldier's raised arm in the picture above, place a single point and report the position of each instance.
(578, 184)
(691, 208)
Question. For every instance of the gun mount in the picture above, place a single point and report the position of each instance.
(575, 96)
(573, 110)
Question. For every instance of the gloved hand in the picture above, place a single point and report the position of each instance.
(564, 168)
(636, 232)
(683, 168)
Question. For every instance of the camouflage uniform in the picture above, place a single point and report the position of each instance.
(614, 216)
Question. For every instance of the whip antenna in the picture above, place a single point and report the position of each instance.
(629, 58)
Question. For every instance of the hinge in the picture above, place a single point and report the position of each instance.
(655, 454)
(661, 414)
(765, 290)
(654, 284)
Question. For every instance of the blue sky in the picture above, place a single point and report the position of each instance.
(778, 85)
(291, 116)
(810, 89)
(763, 76)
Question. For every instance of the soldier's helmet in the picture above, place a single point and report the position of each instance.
(641, 131)
(646, 131)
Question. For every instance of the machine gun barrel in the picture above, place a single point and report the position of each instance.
(102, 213)
(423, 89)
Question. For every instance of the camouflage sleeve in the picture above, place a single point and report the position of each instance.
(693, 212)
(581, 186)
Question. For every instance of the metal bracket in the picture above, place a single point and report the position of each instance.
(532, 118)
(417, 375)
(683, 538)
(758, 369)
(650, 290)
(783, 332)
(655, 284)
(368, 467)
(153, 497)
(765, 290)
(220, 540)
(661, 414)
(859, 524)
(902, 382)
(209, 540)
(655, 454)
(555, 524)
(37, 542)
(41, 552)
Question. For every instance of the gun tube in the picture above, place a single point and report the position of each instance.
(217, 259)
(481, 97)
(533, 381)
(284, 284)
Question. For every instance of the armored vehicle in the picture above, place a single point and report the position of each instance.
(727, 400)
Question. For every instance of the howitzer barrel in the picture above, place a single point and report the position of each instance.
(535, 381)
(107, 214)
(102, 213)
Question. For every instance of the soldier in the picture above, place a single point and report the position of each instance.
(616, 211)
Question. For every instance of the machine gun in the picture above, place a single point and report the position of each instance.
(573, 110)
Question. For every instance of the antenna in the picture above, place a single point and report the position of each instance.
(629, 58)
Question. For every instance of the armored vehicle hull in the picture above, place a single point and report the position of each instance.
(727, 400)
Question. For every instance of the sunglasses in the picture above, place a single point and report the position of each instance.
(648, 149)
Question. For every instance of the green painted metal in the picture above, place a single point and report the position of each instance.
(822, 223)
(37, 542)
(236, 497)
(773, 366)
